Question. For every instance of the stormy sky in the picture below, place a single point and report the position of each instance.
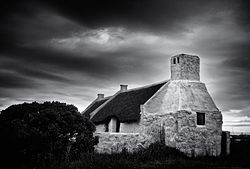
(71, 50)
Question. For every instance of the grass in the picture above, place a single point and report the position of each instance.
(157, 156)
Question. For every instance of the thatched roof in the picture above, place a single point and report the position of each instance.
(94, 105)
(125, 105)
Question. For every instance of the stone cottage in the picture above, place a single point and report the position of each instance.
(178, 112)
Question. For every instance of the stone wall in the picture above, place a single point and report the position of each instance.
(173, 109)
(188, 67)
(116, 142)
(182, 132)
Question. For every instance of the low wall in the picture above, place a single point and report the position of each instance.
(116, 142)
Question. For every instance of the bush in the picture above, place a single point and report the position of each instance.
(158, 151)
(144, 158)
(43, 135)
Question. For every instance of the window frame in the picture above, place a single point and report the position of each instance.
(200, 119)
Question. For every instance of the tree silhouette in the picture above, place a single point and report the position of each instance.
(35, 134)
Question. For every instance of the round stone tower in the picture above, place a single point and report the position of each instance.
(185, 67)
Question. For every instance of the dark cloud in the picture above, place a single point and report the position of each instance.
(234, 78)
(161, 16)
(12, 80)
(44, 61)
(240, 59)
(242, 14)
(57, 60)
(23, 69)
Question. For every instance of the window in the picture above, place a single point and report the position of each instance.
(178, 60)
(106, 126)
(117, 126)
(200, 118)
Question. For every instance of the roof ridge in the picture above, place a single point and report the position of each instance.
(93, 102)
(90, 105)
(107, 97)
(143, 87)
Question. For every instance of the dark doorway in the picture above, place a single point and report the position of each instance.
(117, 125)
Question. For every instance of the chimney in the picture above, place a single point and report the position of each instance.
(124, 87)
(185, 67)
(100, 96)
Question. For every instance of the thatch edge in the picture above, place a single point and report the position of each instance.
(117, 93)
(93, 102)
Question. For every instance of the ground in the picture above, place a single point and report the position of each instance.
(158, 156)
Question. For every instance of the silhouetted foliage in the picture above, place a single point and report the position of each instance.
(34, 134)
(156, 156)
(143, 158)
(240, 147)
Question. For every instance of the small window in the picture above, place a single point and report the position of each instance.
(117, 126)
(200, 118)
(178, 60)
(174, 61)
(106, 126)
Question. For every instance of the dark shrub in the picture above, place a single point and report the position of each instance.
(37, 135)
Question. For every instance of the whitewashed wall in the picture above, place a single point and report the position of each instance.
(100, 128)
(129, 127)
(112, 125)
